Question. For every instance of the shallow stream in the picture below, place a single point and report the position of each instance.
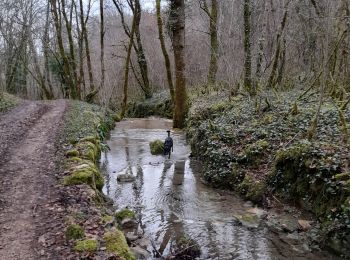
(171, 200)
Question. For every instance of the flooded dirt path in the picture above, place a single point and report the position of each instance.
(171, 201)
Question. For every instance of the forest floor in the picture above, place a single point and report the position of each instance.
(30, 210)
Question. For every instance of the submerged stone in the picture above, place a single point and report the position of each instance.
(128, 223)
(126, 178)
(249, 221)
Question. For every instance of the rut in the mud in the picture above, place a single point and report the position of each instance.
(29, 221)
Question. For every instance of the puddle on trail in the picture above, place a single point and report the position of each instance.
(171, 201)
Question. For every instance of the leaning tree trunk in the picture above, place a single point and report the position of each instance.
(177, 20)
(126, 68)
(272, 78)
(141, 58)
(165, 52)
(247, 50)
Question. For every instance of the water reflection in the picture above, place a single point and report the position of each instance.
(171, 201)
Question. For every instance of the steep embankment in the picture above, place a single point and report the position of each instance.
(51, 206)
(261, 150)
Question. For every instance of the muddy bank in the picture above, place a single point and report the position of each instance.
(170, 202)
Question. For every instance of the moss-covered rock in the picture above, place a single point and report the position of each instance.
(157, 147)
(87, 245)
(117, 117)
(123, 214)
(92, 139)
(253, 190)
(75, 231)
(85, 174)
(72, 153)
(116, 243)
(88, 150)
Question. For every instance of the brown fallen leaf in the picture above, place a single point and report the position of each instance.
(304, 224)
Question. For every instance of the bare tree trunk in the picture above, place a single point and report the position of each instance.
(40, 78)
(81, 77)
(102, 46)
(126, 68)
(177, 20)
(272, 78)
(90, 96)
(141, 54)
(247, 50)
(165, 52)
(67, 73)
(46, 42)
(141, 59)
(73, 62)
(214, 43)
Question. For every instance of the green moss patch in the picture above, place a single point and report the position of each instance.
(85, 174)
(123, 214)
(87, 245)
(75, 231)
(7, 101)
(72, 153)
(253, 190)
(116, 243)
(157, 147)
(88, 150)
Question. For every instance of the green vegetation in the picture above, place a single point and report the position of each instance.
(72, 153)
(123, 214)
(86, 175)
(84, 135)
(86, 129)
(75, 231)
(159, 105)
(86, 120)
(7, 101)
(87, 245)
(259, 147)
(157, 147)
(116, 243)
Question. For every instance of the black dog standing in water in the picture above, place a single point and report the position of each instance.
(168, 145)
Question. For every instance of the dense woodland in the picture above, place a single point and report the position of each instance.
(102, 50)
(262, 88)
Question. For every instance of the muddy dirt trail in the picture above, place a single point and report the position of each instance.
(30, 215)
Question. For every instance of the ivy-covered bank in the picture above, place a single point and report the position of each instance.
(261, 148)
(159, 105)
(91, 222)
